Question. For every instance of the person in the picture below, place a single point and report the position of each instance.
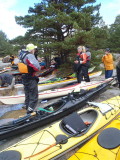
(107, 59)
(30, 80)
(118, 72)
(88, 54)
(22, 51)
(42, 63)
(58, 61)
(82, 65)
(36, 52)
(12, 59)
(53, 64)
(7, 80)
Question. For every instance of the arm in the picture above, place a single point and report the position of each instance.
(32, 62)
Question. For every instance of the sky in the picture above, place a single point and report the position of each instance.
(11, 8)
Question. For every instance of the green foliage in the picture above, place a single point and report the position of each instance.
(61, 25)
(114, 39)
(100, 37)
(5, 47)
(96, 58)
(65, 70)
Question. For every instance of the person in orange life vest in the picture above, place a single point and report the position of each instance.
(82, 60)
(30, 80)
(107, 59)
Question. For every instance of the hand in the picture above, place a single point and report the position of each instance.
(76, 62)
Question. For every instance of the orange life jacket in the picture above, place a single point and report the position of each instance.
(22, 67)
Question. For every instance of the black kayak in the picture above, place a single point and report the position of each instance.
(66, 105)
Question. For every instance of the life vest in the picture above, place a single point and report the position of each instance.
(22, 67)
(83, 57)
(88, 55)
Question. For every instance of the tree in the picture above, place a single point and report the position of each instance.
(5, 47)
(114, 39)
(58, 26)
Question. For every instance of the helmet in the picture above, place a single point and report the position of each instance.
(30, 47)
(107, 50)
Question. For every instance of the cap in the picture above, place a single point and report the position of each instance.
(30, 47)
(107, 50)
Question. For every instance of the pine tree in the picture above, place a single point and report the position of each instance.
(5, 47)
(59, 26)
(114, 40)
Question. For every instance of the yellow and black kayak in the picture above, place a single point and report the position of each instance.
(71, 131)
(103, 146)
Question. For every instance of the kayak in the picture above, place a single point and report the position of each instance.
(60, 79)
(63, 82)
(47, 78)
(66, 134)
(89, 71)
(98, 148)
(18, 80)
(17, 99)
(46, 72)
(50, 113)
(3, 71)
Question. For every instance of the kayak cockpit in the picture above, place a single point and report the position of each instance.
(78, 123)
(51, 108)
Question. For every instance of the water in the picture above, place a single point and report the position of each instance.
(8, 108)
(5, 121)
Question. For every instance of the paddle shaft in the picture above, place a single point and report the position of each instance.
(24, 118)
(20, 120)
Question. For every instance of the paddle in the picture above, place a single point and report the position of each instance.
(17, 121)
(22, 119)
(60, 139)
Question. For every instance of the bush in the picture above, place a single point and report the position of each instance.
(65, 70)
(96, 58)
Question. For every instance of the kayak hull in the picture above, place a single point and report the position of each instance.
(90, 148)
(53, 93)
(44, 145)
(61, 83)
(66, 106)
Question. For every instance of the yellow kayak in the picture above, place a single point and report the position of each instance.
(61, 83)
(67, 133)
(97, 149)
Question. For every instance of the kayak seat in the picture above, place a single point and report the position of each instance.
(73, 124)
